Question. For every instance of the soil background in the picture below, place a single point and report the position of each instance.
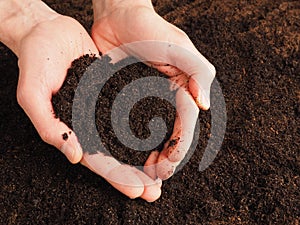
(255, 179)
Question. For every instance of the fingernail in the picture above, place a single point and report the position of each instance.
(203, 101)
(78, 152)
(158, 181)
(206, 101)
(206, 97)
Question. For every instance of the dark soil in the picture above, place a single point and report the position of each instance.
(140, 115)
(255, 177)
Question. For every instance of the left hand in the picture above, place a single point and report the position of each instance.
(126, 21)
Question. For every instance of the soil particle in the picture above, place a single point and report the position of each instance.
(173, 142)
(140, 115)
(254, 179)
(65, 136)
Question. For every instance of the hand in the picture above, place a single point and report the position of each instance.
(46, 43)
(119, 22)
(45, 54)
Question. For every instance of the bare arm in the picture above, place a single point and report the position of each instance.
(104, 7)
(18, 18)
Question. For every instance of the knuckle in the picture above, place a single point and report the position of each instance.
(213, 70)
(210, 69)
(46, 136)
(183, 37)
(24, 95)
(21, 96)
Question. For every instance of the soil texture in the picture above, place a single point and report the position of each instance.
(254, 179)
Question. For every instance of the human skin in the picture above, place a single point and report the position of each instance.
(46, 43)
(117, 22)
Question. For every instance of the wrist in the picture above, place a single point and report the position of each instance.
(19, 17)
(103, 8)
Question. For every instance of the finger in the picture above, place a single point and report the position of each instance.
(150, 165)
(165, 68)
(195, 72)
(200, 93)
(158, 181)
(152, 189)
(39, 109)
(180, 141)
(165, 167)
(121, 177)
(183, 132)
(200, 72)
(176, 76)
(179, 53)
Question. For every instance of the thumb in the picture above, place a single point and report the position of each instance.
(38, 107)
(199, 70)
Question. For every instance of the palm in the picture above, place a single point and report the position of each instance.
(50, 48)
(44, 57)
(138, 23)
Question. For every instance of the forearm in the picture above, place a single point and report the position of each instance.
(18, 17)
(104, 7)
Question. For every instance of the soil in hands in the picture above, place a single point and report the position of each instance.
(254, 179)
(140, 115)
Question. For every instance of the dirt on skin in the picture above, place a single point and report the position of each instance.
(139, 116)
(255, 176)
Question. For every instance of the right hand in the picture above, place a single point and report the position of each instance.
(45, 52)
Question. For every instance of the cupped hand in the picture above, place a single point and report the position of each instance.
(131, 21)
(45, 54)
